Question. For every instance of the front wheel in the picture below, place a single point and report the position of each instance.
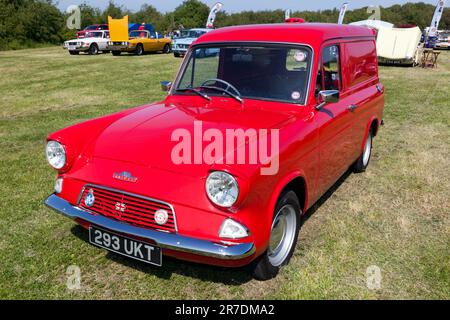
(363, 161)
(283, 237)
(93, 49)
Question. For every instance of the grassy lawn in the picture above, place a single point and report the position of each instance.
(396, 216)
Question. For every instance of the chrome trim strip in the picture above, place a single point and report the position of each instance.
(164, 240)
(131, 195)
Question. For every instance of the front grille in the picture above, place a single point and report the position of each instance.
(132, 209)
(73, 43)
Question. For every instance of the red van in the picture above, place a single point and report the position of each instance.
(259, 123)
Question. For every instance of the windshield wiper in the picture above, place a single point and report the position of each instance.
(236, 97)
(201, 94)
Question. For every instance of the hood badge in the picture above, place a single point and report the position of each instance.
(125, 176)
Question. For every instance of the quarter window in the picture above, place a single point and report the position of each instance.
(329, 75)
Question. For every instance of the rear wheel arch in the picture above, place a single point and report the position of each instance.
(374, 125)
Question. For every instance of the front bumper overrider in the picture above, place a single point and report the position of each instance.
(164, 240)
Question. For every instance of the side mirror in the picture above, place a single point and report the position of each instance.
(166, 86)
(326, 97)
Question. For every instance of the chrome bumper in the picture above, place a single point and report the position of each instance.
(164, 240)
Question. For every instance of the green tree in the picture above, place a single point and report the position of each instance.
(191, 14)
(113, 10)
(90, 15)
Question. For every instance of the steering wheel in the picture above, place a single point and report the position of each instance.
(227, 84)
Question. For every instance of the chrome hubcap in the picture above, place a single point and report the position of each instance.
(282, 235)
(367, 150)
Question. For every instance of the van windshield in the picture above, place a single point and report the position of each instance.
(261, 72)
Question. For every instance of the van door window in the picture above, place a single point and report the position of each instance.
(329, 74)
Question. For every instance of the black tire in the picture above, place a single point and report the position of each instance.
(116, 53)
(93, 49)
(74, 53)
(167, 49)
(139, 51)
(176, 54)
(364, 160)
(263, 268)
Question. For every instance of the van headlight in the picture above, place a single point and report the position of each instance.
(56, 155)
(222, 189)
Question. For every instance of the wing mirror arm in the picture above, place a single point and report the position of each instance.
(166, 86)
(326, 97)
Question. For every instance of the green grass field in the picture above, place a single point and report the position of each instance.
(396, 216)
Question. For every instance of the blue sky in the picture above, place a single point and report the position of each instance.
(241, 5)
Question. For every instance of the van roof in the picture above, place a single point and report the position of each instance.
(306, 33)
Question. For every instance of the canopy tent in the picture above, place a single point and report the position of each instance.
(377, 24)
(398, 43)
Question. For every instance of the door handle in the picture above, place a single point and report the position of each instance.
(352, 107)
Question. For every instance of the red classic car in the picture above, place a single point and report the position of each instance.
(82, 33)
(192, 177)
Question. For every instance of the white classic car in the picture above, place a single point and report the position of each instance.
(93, 43)
(443, 41)
(181, 44)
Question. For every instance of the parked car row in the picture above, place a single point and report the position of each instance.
(140, 42)
(96, 38)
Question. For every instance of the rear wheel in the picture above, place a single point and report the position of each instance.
(139, 50)
(116, 53)
(363, 162)
(283, 237)
(93, 49)
(166, 49)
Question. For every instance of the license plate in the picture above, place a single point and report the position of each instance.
(128, 247)
(71, 48)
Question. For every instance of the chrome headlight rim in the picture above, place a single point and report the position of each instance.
(58, 164)
(214, 175)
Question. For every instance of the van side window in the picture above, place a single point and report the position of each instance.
(329, 74)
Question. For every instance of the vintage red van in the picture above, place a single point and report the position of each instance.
(314, 87)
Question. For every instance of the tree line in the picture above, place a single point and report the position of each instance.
(29, 23)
